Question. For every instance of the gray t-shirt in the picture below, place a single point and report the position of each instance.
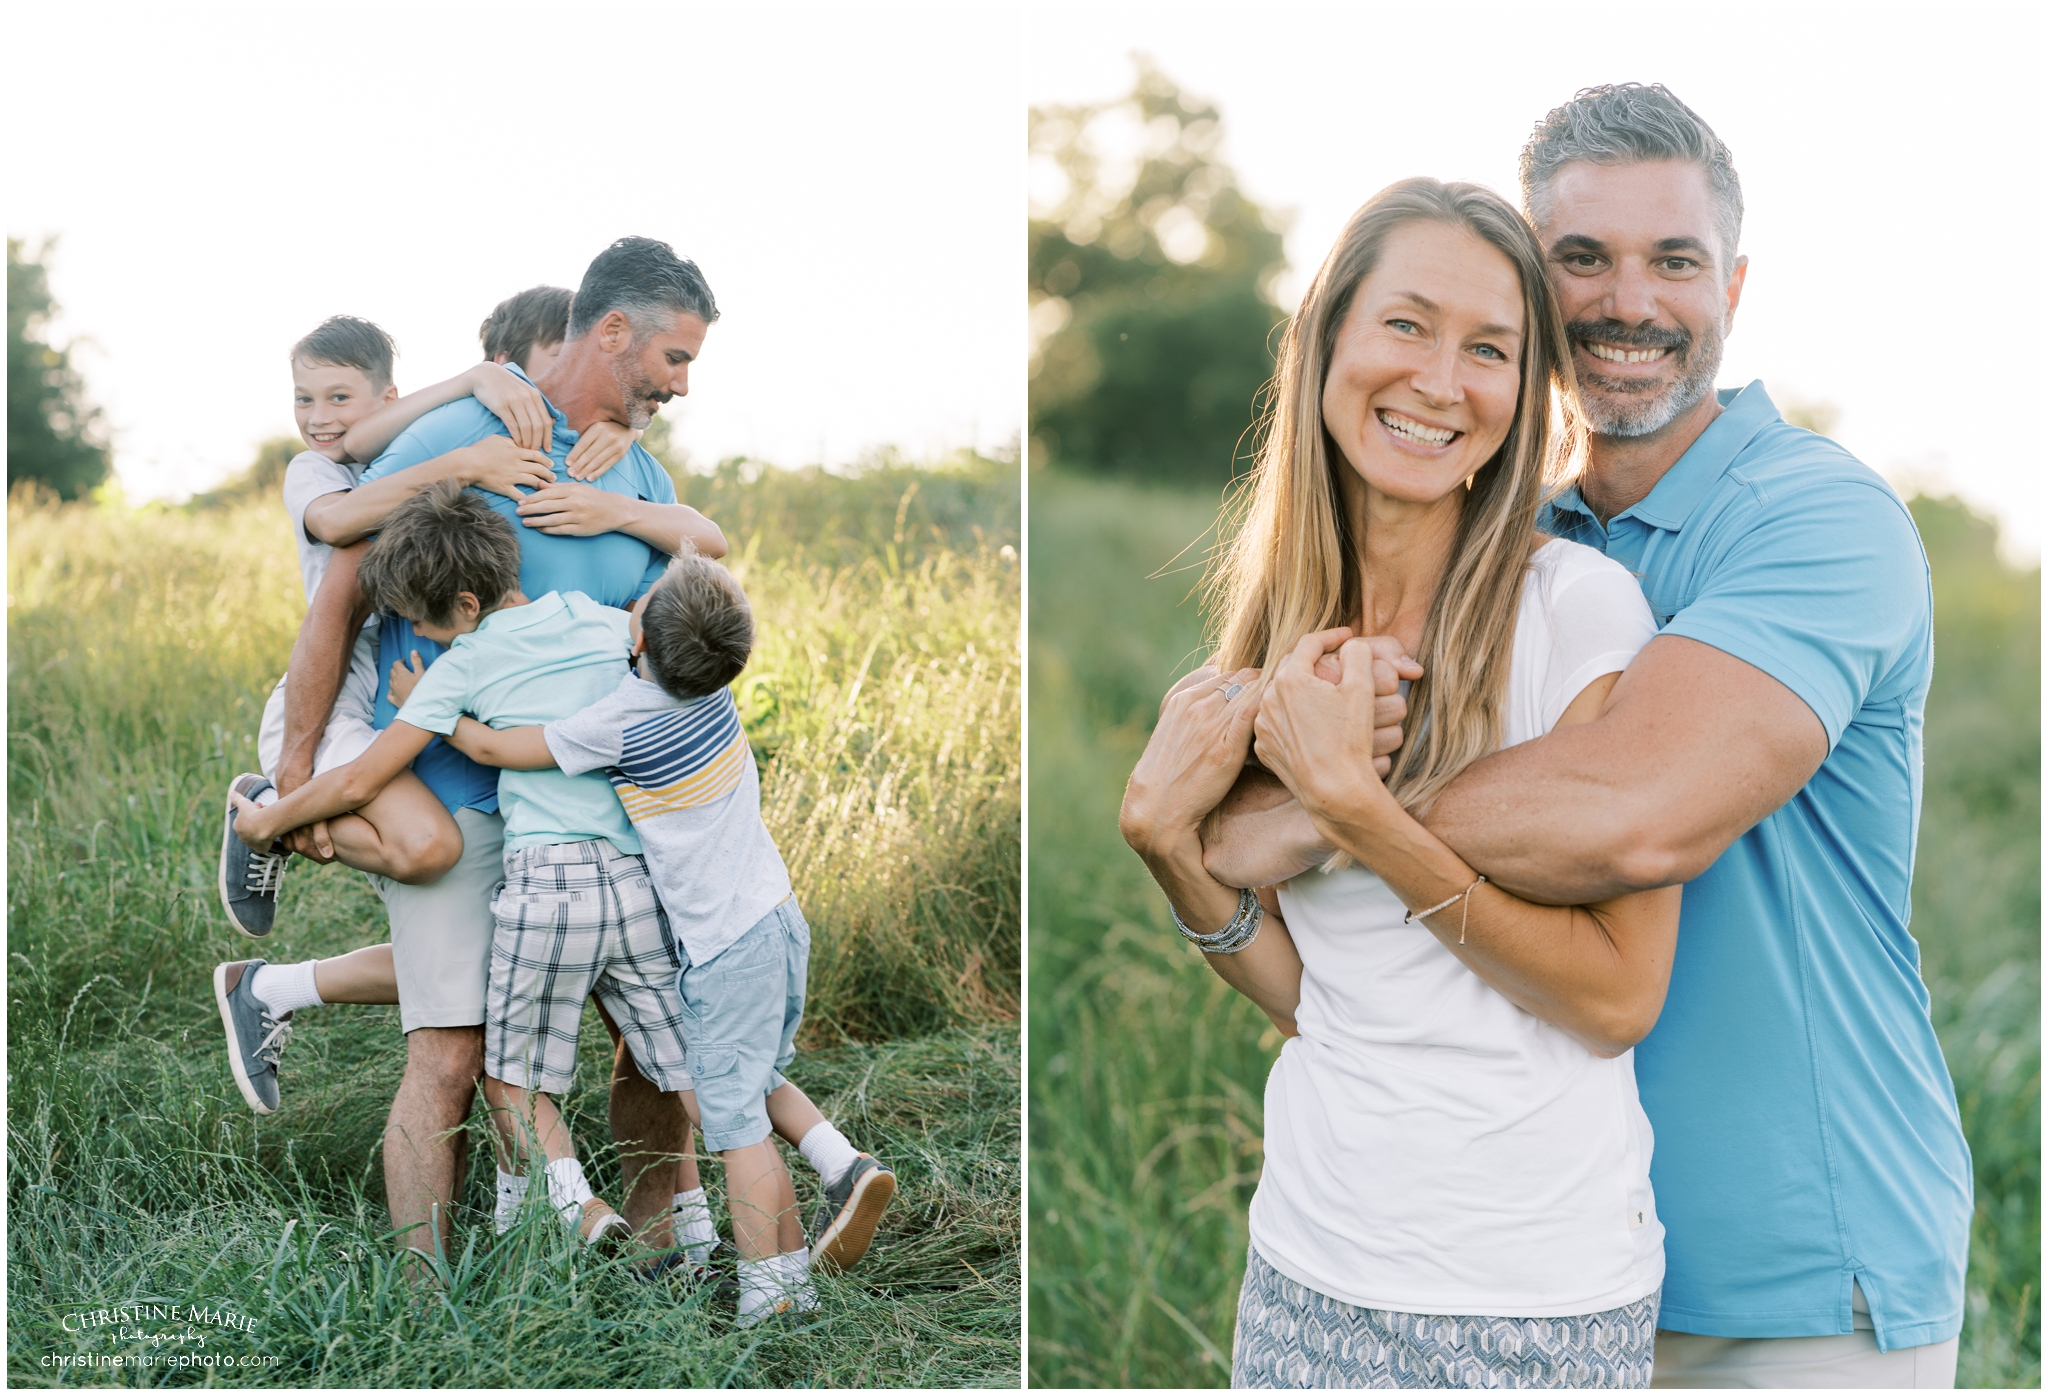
(686, 776)
(309, 476)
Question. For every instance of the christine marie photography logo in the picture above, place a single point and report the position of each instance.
(155, 1333)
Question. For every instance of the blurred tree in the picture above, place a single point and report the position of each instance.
(54, 436)
(1151, 287)
(264, 479)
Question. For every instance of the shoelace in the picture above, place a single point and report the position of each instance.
(266, 873)
(272, 1047)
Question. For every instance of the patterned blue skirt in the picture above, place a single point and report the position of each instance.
(1289, 1336)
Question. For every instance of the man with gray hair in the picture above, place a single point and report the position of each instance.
(1764, 749)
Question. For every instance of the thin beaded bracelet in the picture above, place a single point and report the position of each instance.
(1241, 931)
(1464, 896)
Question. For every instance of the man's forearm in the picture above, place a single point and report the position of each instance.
(1692, 749)
(320, 659)
(1260, 835)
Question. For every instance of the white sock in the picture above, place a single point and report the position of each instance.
(286, 988)
(762, 1289)
(567, 1186)
(691, 1218)
(511, 1194)
(796, 1278)
(827, 1150)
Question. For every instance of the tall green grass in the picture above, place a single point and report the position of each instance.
(883, 702)
(1148, 1074)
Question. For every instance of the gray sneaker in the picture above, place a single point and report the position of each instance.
(846, 1219)
(249, 881)
(256, 1037)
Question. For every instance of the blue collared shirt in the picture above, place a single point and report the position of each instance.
(1806, 1127)
(613, 569)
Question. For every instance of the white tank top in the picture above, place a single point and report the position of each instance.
(1430, 1147)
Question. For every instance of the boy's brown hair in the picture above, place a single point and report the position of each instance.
(347, 342)
(698, 627)
(532, 319)
(440, 543)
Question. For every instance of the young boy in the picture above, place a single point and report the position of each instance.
(527, 329)
(670, 739)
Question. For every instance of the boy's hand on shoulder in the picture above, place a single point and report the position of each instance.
(499, 465)
(516, 403)
(574, 509)
(603, 445)
(405, 676)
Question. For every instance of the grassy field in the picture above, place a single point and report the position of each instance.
(1148, 1074)
(883, 700)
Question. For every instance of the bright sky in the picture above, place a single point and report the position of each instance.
(1891, 167)
(223, 180)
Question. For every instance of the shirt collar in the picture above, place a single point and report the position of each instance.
(561, 418)
(520, 617)
(1744, 413)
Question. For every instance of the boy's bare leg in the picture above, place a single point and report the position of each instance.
(792, 1113)
(762, 1202)
(360, 976)
(424, 1142)
(405, 834)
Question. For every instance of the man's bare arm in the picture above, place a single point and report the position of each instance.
(1260, 835)
(319, 664)
(1691, 750)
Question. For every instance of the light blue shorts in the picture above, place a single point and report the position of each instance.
(741, 1010)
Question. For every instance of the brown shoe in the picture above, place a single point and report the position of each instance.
(598, 1225)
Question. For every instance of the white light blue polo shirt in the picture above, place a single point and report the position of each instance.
(1806, 1126)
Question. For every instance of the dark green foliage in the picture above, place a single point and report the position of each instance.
(53, 434)
(1148, 1073)
(1155, 299)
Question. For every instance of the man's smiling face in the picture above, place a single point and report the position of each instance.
(1647, 295)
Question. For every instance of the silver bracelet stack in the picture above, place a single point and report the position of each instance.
(1242, 930)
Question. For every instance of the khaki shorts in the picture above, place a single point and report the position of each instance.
(1840, 1360)
(441, 932)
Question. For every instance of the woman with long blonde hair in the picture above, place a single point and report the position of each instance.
(1456, 1189)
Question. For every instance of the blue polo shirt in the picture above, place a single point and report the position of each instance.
(613, 569)
(1806, 1126)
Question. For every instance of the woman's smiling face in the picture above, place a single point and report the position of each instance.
(1426, 370)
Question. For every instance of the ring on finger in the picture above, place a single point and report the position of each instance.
(1231, 691)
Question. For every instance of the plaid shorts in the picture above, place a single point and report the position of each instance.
(573, 918)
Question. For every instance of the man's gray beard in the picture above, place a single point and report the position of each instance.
(634, 389)
(1619, 414)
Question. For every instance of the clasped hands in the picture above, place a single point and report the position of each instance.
(1328, 712)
